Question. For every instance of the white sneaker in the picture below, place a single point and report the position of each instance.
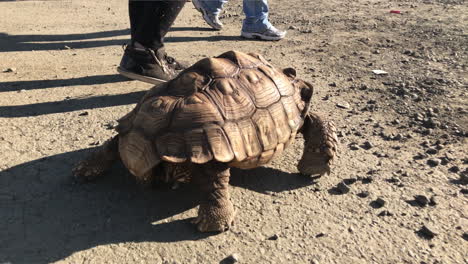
(271, 33)
(211, 19)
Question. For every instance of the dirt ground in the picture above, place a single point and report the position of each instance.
(397, 194)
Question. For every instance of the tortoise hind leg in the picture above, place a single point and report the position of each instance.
(98, 162)
(320, 146)
(216, 212)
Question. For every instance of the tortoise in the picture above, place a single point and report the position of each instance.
(233, 110)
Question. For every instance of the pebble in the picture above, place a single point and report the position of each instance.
(421, 200)
(433, 201)
(431, 151)
(233, 258)
(273, 237)
(426, 232)
(320, 235)
(434, 162)
(84, 114)
(344, 105)
(454, 169)
(353, 146)
(378, 203)
(363, 194)
(292, 27)
(367, 145)
(366, 180)
(350, 181)
(342, 188)
(9, 70)
(385, 213)
(465, 236)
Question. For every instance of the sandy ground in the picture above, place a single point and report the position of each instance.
(397, 194)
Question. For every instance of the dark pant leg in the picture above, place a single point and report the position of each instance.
(151, 20)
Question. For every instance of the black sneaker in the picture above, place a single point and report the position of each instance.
(147, 65)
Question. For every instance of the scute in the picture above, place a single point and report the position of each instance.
(154, 114)
(260, 87)
(245, 61)
(138, 154)
(216, 67)
(266, 129)
(171, 147)
(233, 105)
(197, 146)
(195, 111)
(187, 83)
(219, 143)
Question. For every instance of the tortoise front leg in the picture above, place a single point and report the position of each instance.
(98, 162)
(216, 212)
(320, 145)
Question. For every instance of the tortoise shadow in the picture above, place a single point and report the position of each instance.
(47, 216)
(266, 179)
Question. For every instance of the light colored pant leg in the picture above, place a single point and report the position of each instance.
(256, 15)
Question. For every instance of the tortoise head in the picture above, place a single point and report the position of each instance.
(305, 89)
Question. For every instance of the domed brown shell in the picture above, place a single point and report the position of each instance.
(235, 108)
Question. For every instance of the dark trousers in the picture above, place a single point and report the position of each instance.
(150, 20)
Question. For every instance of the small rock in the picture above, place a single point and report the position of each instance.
(233, 258)
(344, 105)
(434, 162)
(426, 232)
(111, 125)
(84, 114)
(333, 84)
(366, 180)
(378, 203)
(353, 146)
(421, 200)
(320, 235)
(9, 70)
(385, 213)
(431, 151)
(350, 181)
(273, 237)
(433, 201)
(465, 236)
(292, 27)
(306, 31)
(363, 194)
(367, 145)
(342, 187)
(454, 169)
(464, 191)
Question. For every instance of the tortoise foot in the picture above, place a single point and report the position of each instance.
(215, 218)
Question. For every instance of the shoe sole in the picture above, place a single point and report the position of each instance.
(259, 36)
(205, 15)
(139, 77)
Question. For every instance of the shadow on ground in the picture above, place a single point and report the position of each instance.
(70, 105)
(47, 217)
(9, 43)
(45, 84)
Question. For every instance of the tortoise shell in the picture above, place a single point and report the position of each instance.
(235, 108)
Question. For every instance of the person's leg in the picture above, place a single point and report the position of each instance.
(145, 58)
(210, 10)
(256, 24)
